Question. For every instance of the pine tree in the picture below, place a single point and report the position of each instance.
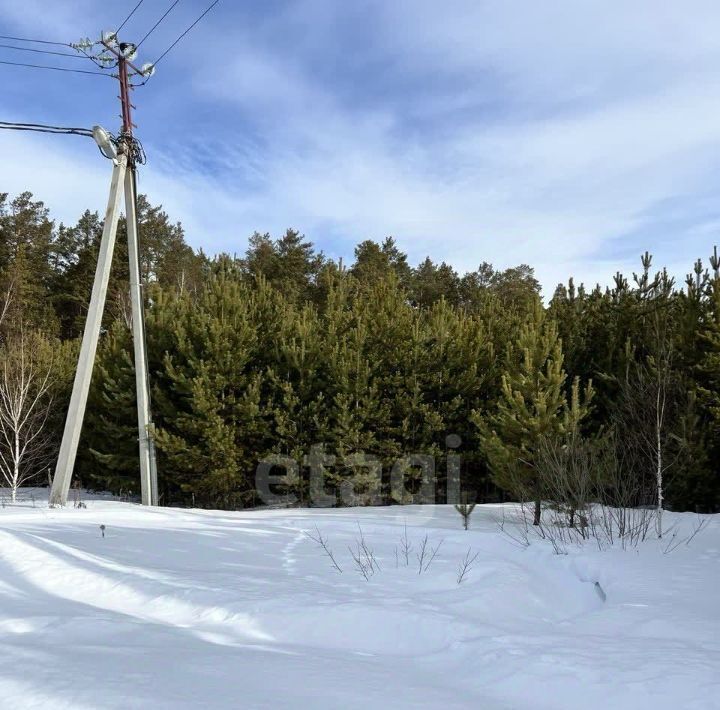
(517, 288)
(358, 414)
(708, 388)
(533, 407)
(25, 247)
(297, 380)
(209, 428)
(75, 252)
(375, 262)
(430, 283)
(290, 264)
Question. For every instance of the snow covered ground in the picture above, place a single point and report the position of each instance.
(202, 609)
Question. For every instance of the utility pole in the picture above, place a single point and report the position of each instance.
(148, 468)
(83, 374)
(124, 174)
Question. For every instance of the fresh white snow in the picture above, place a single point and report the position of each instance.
(191, 608)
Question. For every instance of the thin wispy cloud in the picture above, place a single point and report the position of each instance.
(568, 136)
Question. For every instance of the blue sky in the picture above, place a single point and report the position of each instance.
(572, 135)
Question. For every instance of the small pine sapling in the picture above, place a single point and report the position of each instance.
(465, 509)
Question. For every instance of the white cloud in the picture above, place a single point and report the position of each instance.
(55, 21)
(68, 179)
(565, 127)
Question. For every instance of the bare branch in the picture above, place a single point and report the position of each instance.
(322, 542)
(465, 564)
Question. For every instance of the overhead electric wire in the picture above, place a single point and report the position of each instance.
(212, 5)
(77, 48)
(135, 147)
(155, 26)
(95, 60)
(132, 12)
(65, 69)
(36, 41)
(43, 128)
(43, 51)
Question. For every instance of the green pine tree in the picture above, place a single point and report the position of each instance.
(533, 406)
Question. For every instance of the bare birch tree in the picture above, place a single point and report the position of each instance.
(647, 406)
(26, 399)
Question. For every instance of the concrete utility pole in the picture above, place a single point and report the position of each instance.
(124, 175)
(148, 471)
(83, 374)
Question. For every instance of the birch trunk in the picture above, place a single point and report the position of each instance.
(659, 422)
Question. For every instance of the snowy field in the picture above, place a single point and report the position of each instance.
(201, 609)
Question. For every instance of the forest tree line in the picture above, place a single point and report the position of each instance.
(282, 350)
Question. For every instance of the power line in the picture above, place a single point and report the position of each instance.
(58, 130)
(212, 5)
(42, 66)
(42, 51)
(43, 128)
(95, 60)
(35, 41)
(76, 47)
(132, 12)
(154, 27)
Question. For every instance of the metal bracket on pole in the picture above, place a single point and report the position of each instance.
(83, 375)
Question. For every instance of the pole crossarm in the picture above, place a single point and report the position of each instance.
(120, 56)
